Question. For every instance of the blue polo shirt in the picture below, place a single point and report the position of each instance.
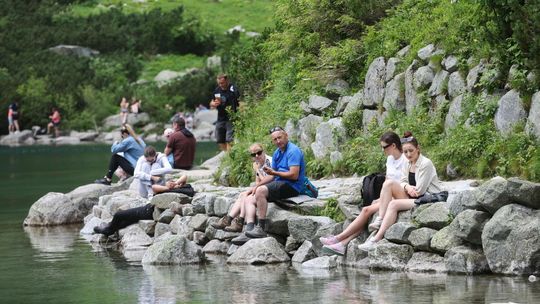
(283, 160)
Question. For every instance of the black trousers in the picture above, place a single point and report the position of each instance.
(124, 218)
(119, 161)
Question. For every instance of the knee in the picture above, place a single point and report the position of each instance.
(393, 205)
(261, 192)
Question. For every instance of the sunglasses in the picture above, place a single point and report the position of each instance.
(407, 139)
(274, 129)
(256, 153)
(386, 146)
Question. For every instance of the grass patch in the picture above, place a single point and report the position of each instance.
(176, 63)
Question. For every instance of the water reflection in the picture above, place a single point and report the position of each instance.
(52, 243)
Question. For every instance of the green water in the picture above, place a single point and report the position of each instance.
(56, 265)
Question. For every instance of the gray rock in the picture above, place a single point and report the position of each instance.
(291, 245)
(216, 246)
(324, 262)
(84, 136)
(148, 226)
(161, 229)
(411, 98)
(307, 127)
(391, 68)
(390, 256)
(199, 238)
(421, 238)
(189, 210)
(426, 262)
(329, 136)
(511, 240)
(355, 103)
(350, 211)
(464, 200)
(166, 216)
(73, 50)
(355, 257)
(198, 222)
(319, 104)
(469, 225)
(466, 260)
(426, 52)
(176, 207)
(440, 82)
(89, 226)
(533, 123)
(454, 113)
(335, 157)
(445, 239)
(222, 205)
(456, 85)
(510, 112)
(157, 214)
(213, 62)
(374, 83)
(305, 107)
(423, 77)
(55, 209)
(134, 237)
(163, 200)
(435, 216)
(292, 130)
(342, 103)
(175, 250)
(134, 120)
(371, 116)
(278, 220)
(437, 104)
(494, 194)
(180, 226)
(450, 63)
(259, 251)
(524, 192)
(204, 202)
(404, 51)
(66, 140)
(394, 96)
(305, 227)
(474, 75)
(166, 76)
(400, 232)
(338, 87)
(304, 253)
(223, 235)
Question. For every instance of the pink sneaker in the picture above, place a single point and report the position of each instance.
(336, 248)
(329, 240)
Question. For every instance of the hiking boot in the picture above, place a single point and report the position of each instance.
(222, 223)
(376, 224)
(235, 226)
(256, 233)
(240, 240)
(105, 230)
(103, 181)
(329, 240)
(336, 248)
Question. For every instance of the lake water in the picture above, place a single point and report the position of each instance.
(56, 265)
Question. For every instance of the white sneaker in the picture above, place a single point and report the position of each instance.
(376, 224)
(368, 244)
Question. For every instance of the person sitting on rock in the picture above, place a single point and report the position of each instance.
(181, 144)
(125, 154)
(288, 172)
(391, 146)
(150, 170)
(418, 178)
(234, 220)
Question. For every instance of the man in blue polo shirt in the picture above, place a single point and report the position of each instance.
(288, 169)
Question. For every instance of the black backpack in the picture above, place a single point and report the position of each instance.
(371, 187)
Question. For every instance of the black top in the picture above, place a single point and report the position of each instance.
(412, 179)
(229, 99)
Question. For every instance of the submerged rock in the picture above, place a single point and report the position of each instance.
(259, 251)
(175, 250)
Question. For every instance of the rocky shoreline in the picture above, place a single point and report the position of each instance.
(493, 228)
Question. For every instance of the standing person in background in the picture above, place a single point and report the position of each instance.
(124, 110)
(125, 154)
(13, 117)
(55, 118)
(181, 144)
(225, 100)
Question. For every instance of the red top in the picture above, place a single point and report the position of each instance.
(183, 148)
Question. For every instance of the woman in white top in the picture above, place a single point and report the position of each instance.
(150, 169)
(418, 178)
(391, 145)
(234, 221)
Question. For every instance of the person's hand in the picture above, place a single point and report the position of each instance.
(170, 184)
(411, 190)
(252, 190)
(268, 170)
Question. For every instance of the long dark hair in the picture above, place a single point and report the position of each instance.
(392, 138)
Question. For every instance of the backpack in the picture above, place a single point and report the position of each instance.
(310, 189)
(371, 187)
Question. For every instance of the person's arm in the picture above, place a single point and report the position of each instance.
(424, 176)
(168, 148)
(121, 146)
(165, 167)
(292, 174)
(138, 172)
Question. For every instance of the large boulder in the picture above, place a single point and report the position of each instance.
(304, 253)
(371, 116)
(494, 194)
(305, 227)
(465, 200)
(469, 225)
(510, 112)
(330, 135)
(411, 98)
(166, 76)
(511, 240)
(426, 262)
(116, 120)
(445, 239)
(324, 262)
(474, 75)
(163, 200)
(354, 103)
(394, 96)
(454, 113)
(175, 250)
(421, 238)
(524, 192)
(466, 260)
(439, 83)
(216, 246)
(319, 104)
(374, 83)
(456, 85)
(391, 68)
(450, 63)
(435, 216)
(16, 138)
(73, 50)
(533, 122)
(400, 232)
(55, 209)
(135, 237)
(390, 256)
(278, 219)
(423, 77)
(180, 226)
(426, 52)
(307, 127)
(338, 87)
(259, 251)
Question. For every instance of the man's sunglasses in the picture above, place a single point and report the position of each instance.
(256, 153)
(274, 129)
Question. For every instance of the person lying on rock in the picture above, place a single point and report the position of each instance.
(125, 154)
(150, 170)
(418, 179)
(124, 218)
(396, 160)
(234, 220)
(171, 186)
(288, 172)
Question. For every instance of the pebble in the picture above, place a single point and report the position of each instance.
(532, 278)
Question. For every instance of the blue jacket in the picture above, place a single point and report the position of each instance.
(131, 149)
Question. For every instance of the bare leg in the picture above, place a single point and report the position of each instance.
(262, 204)
(250, 208)
(238, 205)
(16, 123)
(391, 189)
(391, 215)
(49, 128)
(359, 223)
